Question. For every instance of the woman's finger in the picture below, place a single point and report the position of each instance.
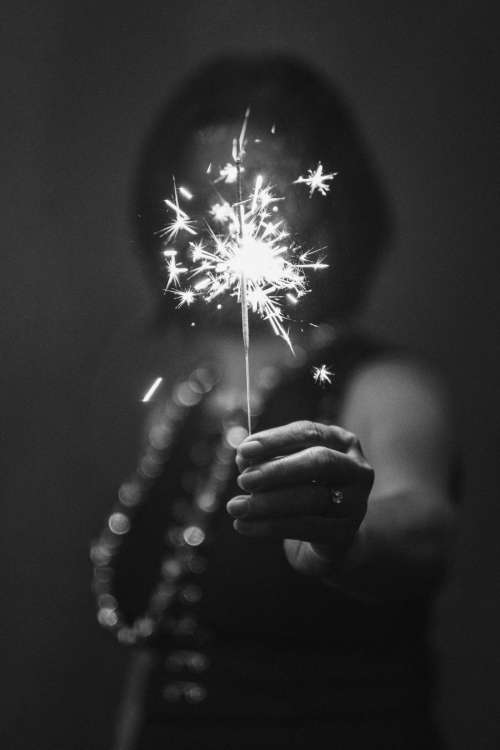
(301, 500)
(291, 438)
(320, 464)
(325, 531)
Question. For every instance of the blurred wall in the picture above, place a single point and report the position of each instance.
(82, 82)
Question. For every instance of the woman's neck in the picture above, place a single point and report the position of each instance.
(265, 352)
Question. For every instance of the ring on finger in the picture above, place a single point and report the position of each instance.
(336, 496)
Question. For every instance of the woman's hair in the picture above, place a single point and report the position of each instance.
(315, 124)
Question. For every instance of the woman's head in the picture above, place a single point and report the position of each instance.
(297, 119)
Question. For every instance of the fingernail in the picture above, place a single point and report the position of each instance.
(250, 448)
(238, 507)
(250, 479)
(241, 463)
(243, 528)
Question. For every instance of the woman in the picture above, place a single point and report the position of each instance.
(284, 597)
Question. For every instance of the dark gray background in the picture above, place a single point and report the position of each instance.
(82, 82)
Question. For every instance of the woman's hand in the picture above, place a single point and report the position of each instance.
(305, 481)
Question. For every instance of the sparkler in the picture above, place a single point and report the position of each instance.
(245, 251)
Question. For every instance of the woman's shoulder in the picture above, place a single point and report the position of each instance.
(385, 373)
(370, 363)
(394, 392)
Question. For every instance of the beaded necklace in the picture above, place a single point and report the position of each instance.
(182, 556)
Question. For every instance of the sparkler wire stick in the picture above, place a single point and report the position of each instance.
(245, 327)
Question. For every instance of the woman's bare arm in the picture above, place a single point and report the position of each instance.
(400, 413)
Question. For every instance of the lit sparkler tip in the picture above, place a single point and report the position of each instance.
(151, 390)
(322, 375)
(250, 256)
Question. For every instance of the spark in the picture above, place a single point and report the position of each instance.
(316, 180)
(223, 212)
(182, 222)
(185, 297)
(258, 188)
(186, 193)
(174, 272)
(196, 250)
(317, 265)
(203, 284)
(152, 390)
(322, 375)
(229, 174)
